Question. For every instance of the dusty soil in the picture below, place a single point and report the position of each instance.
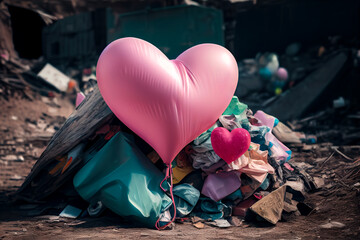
(28, 125)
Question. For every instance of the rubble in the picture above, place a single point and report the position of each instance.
(53, 76)
(323, 147)
(60, 144)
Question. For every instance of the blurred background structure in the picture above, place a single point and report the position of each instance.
(302, 35)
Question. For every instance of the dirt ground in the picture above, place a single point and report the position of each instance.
(28, 125)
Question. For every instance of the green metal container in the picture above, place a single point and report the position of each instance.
(79, 39)
(172, 29)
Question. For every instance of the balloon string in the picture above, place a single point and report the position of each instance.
(168, 175)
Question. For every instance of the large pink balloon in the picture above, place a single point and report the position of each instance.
(168, 103)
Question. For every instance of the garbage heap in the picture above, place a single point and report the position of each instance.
(115, 169)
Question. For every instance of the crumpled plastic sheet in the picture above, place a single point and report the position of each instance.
(277, 149)
(124, 180)
(254, 163)
(186, 198)
(203, 155)
(208, 209)
(221, 184)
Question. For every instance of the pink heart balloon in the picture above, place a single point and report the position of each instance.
(168, 103)
(230, 145)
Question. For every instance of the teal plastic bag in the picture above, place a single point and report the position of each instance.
(186, 197)
(124, 180)
(235, 107)
(206, 208)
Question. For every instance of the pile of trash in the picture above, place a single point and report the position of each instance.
(110, 167)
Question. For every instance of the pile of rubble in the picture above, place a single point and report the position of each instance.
(29, 120)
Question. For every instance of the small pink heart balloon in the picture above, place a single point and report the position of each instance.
(230, 145)
(166, 102)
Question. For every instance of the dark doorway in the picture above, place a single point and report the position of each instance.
(27, 27)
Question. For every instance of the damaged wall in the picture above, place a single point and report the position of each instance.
(6, 42)
(21, 19)
(27, 27)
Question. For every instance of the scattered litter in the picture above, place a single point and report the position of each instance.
(332, 224)
(16, 177)
(302, 165)
(79, 98)
(14, 158)
(221, 223)
(70, 212)
(75, 223)
(227, 193)
(285, 134)
(262, 181)
(199, 225)
(96, 209)
(339, 103)
(342, 154)
(49, 218)
(271, 206)
(53, 76)
(236, 221)
(320, 182)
